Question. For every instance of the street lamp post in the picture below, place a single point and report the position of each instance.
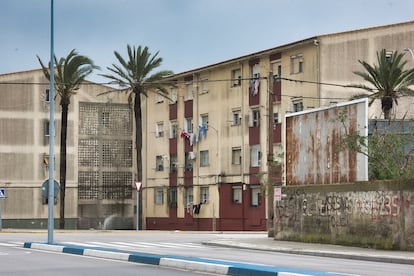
(409, 50)
(270, 157)
(217, 169)
(51, 195)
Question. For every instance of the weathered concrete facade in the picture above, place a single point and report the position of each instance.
(338, 57)
(370, 214)
(229, 165)
(24, 152)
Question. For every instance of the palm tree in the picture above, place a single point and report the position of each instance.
(389, 80)
(70, 73)
(132, 75)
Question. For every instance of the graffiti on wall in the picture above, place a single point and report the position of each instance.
(337, 208)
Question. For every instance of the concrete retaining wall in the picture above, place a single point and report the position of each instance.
(369, 214)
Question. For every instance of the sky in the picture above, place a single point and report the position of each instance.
(187, 34)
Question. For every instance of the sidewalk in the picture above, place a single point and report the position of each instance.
(260, 241)
(323, 250)
(252, 241)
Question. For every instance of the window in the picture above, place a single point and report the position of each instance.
(256, 71)
(237, 194)
(189, 88)
(46, 126)
(388, 55)
(159, 196)
(105, 119)
(236, 77)
(254, 86)
(173, 163)
(159, 129)
(204, 86)
(173, 130)
(188, 161)
(188, 125)
(204, 158)
(255, 196)
(204, 120)
(276, 69)
(254, 117)
(204, 194)
(296, 64)
(297, 106)
(159, 163)
(236, 117)
(172, 197)
(236, 156)
(275, 118)
(188, 196)
(47, 95)
(255, 156)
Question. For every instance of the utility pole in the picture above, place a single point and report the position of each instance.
(270, 158)
(51, 195)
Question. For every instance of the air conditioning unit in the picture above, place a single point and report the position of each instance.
(160, 168)
(173, 168)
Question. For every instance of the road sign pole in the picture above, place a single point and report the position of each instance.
(137, 210)
(1, 224)
(138, 187)
(2, 196)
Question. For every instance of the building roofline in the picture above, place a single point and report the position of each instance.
(88, 82)
(20, 72)
(245, 57)
(282, 47)
(368, 28)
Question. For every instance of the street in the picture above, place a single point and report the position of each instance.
(165, 242)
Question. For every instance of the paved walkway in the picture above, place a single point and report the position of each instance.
(324, 250)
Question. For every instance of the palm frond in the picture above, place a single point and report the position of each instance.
(70, 72)
(389, 78)
(134, 71)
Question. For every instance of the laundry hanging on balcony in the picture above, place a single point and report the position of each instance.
(254, 86)
(194, 137)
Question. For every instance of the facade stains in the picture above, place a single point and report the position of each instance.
(314, 153)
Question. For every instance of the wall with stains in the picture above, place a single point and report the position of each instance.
(368, 214)
(314, 151)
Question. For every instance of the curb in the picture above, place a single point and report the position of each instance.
(178, 262)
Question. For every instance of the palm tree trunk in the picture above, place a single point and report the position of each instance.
(386, 104)
(63, 136)
(138, 141)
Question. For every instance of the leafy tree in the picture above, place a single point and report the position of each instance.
(390, 153)
(70, 72)
(134, 76)
(388, 79)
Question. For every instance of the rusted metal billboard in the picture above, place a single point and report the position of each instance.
(313, 140)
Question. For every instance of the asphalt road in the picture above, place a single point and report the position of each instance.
(19, 261)
(190, 244)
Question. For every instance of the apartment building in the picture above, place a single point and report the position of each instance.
(206, 148)
(99, 154)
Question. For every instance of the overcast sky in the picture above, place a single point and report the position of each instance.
(187, 33)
